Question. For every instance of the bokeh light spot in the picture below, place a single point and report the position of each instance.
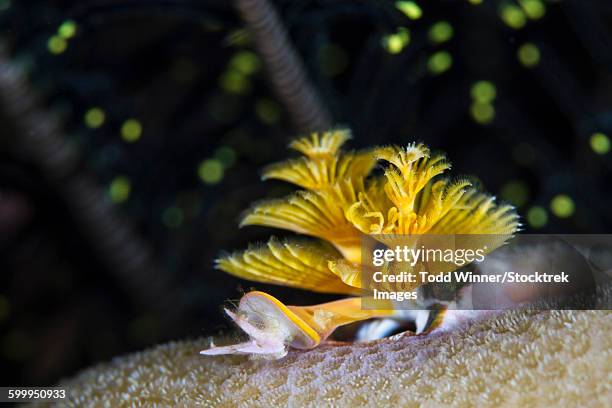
(529, 55)
(246, 62)
(119, 189)
(600, 143)
(475, 2)
(440, 32)
(172, 217)
(226, 155)
(537, 217)
(440, 62)
(268, 111)
(483, 92)
(515, 192)
(5, 5)
(131, 130)
(235, 82)
(95, 117)
(513, 16)
(482, 113)
(67, 29)
(534, 9)
(410, 9)
(562, 206)
(211, 171)
(395, 43)
(56, 45)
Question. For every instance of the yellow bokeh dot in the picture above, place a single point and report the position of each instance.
(440, 32)
(246, 62)
(537, 217)
(475, 1)
(67, 30)
(483, 92)
(529, 55)
(534, 9)
(483, 113)
(119, 189)
(131, 130)
(235, 82)
(600, 143)
(56, 45)
(95, 117)
(395, 43)
(210, 171)
(410, 9)
(513, 16)
(562, 206)
(440, 62)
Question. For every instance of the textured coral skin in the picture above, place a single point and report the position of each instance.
(526, 358)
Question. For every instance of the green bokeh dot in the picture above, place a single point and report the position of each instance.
(537, 217)
(440, 62)
(534, 9)
(131, 130)
(119, 189)
(67, 30)
(410, 9)
(56, 45)
(513, 16)
(483, 92)
(234, 81)
(211, 171)
(528, 55)
(95, 117)
(483, 113)
(562, 206)
(600, 143)
(395, 43)
(245, 62)
(440, 32)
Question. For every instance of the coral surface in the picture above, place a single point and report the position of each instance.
(517, 358)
